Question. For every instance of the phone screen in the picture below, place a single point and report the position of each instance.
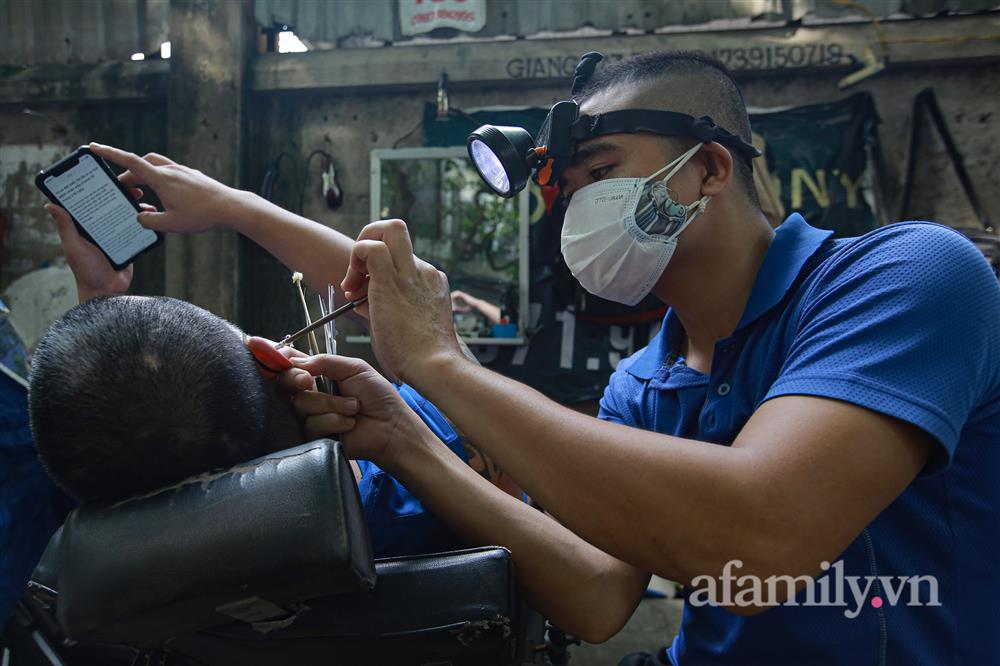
(90, 196)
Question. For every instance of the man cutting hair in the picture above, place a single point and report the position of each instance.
(811, 408)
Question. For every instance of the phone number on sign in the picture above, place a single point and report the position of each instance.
(781, 57)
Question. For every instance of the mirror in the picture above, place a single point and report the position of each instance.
(477, 238)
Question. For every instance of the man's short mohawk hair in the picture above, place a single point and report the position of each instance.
(686, 82)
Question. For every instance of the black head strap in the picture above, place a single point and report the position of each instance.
(666, 123)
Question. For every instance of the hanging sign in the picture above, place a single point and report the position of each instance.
(420, 16)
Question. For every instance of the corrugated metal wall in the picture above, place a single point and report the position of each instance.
(89, 31)
(36, 32)
(331, 22)
(320, 21)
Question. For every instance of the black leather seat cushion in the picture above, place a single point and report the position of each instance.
(450, 608)
(247, 543)
(269, 563)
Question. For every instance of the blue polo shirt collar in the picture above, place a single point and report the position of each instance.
(793, 244)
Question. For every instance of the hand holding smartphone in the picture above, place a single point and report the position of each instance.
(101, 207)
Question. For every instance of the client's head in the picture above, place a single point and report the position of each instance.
(129, 394)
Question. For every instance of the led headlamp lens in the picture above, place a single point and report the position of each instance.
(500, 155)
(489, 167)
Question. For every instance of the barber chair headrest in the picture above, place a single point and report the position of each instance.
(248, 543)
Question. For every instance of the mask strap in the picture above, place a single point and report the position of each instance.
(698, 207)
(700, 204)
(677, 163)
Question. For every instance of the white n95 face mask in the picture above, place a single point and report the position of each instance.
(618, 234)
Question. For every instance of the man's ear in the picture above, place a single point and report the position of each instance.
(718, 169)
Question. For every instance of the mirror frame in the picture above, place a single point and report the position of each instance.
(380, 155)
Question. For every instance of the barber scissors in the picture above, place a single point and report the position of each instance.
(328, 315)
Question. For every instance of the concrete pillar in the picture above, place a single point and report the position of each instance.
(212, 43)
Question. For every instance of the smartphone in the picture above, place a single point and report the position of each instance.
(104, 211)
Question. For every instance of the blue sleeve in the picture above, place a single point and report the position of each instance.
(905, 323)
(433, 418)
(618, 404)
(397, 521)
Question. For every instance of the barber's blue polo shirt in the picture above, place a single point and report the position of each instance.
(904, 321)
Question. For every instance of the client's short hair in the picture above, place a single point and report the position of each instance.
(129, 394)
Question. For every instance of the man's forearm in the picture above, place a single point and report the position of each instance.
(320, 253)
(582, 589)
(687, 499)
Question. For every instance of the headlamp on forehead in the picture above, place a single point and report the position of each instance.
(506, 157)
